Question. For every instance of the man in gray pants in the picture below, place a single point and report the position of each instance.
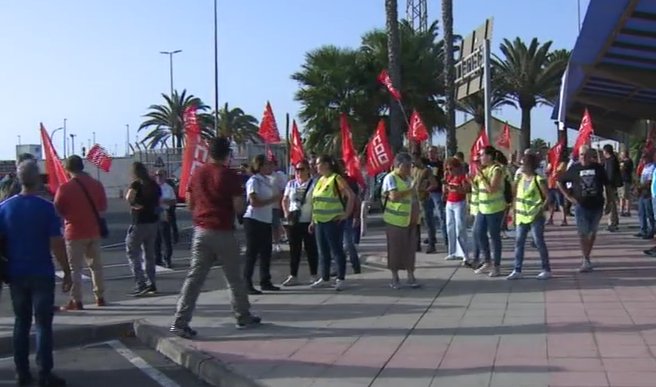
(214, 196)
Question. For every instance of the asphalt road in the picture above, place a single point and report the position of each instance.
(127, 362)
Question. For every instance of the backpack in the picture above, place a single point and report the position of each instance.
(507, 190)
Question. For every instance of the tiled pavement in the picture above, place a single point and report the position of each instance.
(596, 329)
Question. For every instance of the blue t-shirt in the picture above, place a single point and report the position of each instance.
(27, 222)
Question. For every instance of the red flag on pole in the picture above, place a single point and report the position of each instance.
(296, 153)
(349, 155)
(379, 151)
(504, 138)
(479, 144)
(417, 130)
(385, 79)
(268, 127)
(554, 156)
(99, 157)
(196, 150)
(54, 168)
(586, 130)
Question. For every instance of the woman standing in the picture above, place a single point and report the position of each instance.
(456, 188)
(332, 202)
(297, 206)
(491, 210)
(144, 197)
(400, 213)
(531, 192)
(257, 223)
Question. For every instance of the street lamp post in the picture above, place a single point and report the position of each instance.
(55, 131)
(216, 71)
(94, 138)
(170, 54)
(127, 140)
(65, 138)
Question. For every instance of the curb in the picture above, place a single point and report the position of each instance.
(74, 336)
(206, 367)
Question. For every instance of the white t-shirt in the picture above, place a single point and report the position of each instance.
(260, 186)
(167, 194)
(294, 192)
(278, 180)
(389, 183)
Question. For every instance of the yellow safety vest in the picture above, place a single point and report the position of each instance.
(473, 198)
(490, 203)
(326, 204)
(529, 202)
(397, 213)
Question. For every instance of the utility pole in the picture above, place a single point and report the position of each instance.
(65, 138)
(127, 140)
(170, 54)
(216, 71)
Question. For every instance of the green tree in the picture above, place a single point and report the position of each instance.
(166, 121)
(238, 126)
(531, 75)
(449, 78)
(538, 144)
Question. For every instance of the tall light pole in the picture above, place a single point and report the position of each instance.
(65, 139)
(73, 143)
(94, 138)
(19, 139)
(55, 131)
(170, 54)
(216, 71)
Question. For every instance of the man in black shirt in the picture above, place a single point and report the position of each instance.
(589, 180)
(624, 193)
(435, 201)
(612, 167)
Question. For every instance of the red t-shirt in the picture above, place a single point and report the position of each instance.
(212, 189)
(455, 197)
(73, 205)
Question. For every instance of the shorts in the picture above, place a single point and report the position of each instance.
(625, 191)
(587, 220)
(276, 219)
(555, 197)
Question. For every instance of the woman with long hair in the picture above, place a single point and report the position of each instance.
(257, 224)
(456, 189)
(297, 207)
(332, 203)
(144, 198)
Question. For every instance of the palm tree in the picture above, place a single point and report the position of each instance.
(394, 68)
(449, 77)
(237, 125)
(538, 144)
(531, 76)
(166, 121)
(474, 104)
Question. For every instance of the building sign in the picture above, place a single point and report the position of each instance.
(470, 66)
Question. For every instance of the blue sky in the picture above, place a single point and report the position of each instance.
(97, 63)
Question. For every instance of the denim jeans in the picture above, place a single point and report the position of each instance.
(475, 247)
(140, 248)
(329, 241)
(429, 218)
(258, 247)
(33, 294)
(646, 215)
(349, 244)
(537, 230)
(440, 213)
(456, 225)
(490, 224)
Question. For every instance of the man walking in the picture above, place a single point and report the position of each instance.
(214, 196)
(435, 202)
(589, 180)
(612, 167)
(164, 233)
(626, 170)
(31, 229)
(645, 205)
(80, 201)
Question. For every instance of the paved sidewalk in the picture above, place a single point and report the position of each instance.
(596, 329)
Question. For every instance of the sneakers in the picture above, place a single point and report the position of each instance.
(72, 305)
(291, 281)
(184, 332)
(413, 284)
(253, 292)
(248, 322)
(483, 268)
(314, 279)
(450, 258)
(51, 380)
(277, 248)
(586, 266)
(495, 272)
(101, 302)
(320, 283)
(431, 250)
(339, 285)
(269, 287)
(545, 275)
(395, 285)
(514, 275)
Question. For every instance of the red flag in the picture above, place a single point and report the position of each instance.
(268, 128)
(417, 130)
(196, 150)
(54, 168)
(504, 138)
(99, 157)
(379, 151)
(385, 79)
(554, 155)
(481, 142)
(296, 153)
(349, 155)
(585, 133)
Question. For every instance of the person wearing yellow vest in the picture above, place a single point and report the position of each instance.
(400, 213)
(530, 200)
(491, 210)
(474, 259)
(332, 203)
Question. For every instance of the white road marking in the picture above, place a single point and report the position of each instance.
(143, 366)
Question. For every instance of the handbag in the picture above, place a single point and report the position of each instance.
(102, 223)
(295, 216)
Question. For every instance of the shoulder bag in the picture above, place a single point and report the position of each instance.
(102, 223)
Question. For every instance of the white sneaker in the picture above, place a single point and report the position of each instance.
(586, 267)
(495, 272)
(545, 275)
(314, 279)
(485, 267)
(339, 285)
(277, 248)
(514, 275)
(320, 283)
(291, 281)
(450, 258)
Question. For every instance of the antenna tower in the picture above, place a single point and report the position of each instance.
(417, 14)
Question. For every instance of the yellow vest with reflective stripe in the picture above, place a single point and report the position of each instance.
(529, 202)
(397, 213)
(491, 203)
(473, 198)
(326, 205)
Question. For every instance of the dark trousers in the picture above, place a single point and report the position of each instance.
(164, 235)
(258, 246)
(173, 220)
(33, 296)
(646, 215)
(329, 241)
(300, 237)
